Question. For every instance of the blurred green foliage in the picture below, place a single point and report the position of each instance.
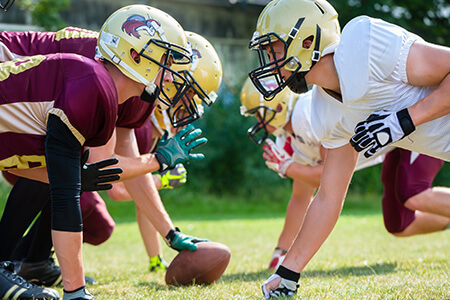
(45, 13)
(429, 19)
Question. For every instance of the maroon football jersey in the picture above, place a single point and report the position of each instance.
(132, 114)
(144, 137)
(78, 90)
(67, 40)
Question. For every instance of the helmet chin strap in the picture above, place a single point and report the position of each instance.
(297, 82)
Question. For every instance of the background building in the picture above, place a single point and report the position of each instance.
(227, 24)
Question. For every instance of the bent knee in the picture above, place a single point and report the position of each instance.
(99, 235)
(419, 201)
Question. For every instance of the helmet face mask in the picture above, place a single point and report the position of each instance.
(271, 116)
(271, 70)
(186, 110)
(6, 4)
(306, 28)
(203, 78)
(258, 132)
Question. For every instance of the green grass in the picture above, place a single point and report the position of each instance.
(360, 260)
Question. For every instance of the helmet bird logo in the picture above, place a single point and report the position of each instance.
(196, 55)
(136, 23)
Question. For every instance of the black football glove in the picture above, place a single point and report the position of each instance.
(287, 287)
(380, 129)
(93, 174)
(180, 241)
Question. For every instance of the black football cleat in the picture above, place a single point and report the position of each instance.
(44, 273)
(13, 286)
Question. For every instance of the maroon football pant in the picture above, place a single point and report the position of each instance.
(98, 224)
(403, 179)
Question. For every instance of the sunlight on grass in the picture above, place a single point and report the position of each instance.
(360, 260)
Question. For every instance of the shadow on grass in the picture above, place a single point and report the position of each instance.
(368, 270)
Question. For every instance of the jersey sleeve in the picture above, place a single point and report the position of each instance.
(67, 40)
(88, 103)
(368, 48)
(17, 44)
(144, 137)
(77, 40)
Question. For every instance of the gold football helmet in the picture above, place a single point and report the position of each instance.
(156, 36)
(306, 28)
(277, 112)
(204, 76)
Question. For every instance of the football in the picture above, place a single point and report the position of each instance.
(202, 266)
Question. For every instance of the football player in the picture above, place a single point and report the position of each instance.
(143, 65)
(407, 176)
(372, 66)
(205, 76)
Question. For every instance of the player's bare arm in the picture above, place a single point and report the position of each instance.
(429, 65)
(132, 166)
(322, 214)
(309, 175)
(302, 194)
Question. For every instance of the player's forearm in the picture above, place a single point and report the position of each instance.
(325, 208)
(306, 174)
(434, 106)
(319, 222)
(137, 166)
(120, 193)
(144, 193)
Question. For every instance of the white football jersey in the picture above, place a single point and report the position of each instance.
(305, 142)
(371, 64)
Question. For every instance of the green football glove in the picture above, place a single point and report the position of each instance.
(177, 149)
(180, 241)
(172, 178)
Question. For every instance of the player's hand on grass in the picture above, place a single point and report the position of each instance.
(281, 284)
(276, 158)
(177, 149)
(172, 178)
(94, 176)
(380, 129)
(180, 241)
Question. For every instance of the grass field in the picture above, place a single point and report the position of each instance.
(360, 260)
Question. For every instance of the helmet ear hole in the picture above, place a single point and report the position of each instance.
(136, 57)
(308, 42)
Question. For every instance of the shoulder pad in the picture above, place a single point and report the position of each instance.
(368, 48)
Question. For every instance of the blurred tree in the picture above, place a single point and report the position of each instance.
(45, 13)
(429, 19)
(233, 163)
